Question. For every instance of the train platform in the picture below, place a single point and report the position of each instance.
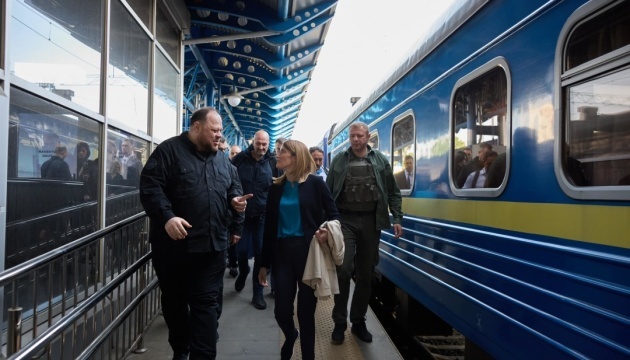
(248, 333)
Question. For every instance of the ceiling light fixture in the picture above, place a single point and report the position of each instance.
(234, 99)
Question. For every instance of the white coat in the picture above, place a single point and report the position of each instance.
(320, 271)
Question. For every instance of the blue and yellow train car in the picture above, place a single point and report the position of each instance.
(517, 220)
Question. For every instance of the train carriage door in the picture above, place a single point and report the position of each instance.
(403, 157)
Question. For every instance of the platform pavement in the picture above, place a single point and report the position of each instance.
(246, 333)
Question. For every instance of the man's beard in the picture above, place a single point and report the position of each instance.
(207, 148)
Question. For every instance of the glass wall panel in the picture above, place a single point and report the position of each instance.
(126, 155)
(142, 8)
(167, 90)
(128, 72)
(57, 45)
(167, 33)
(53, 177)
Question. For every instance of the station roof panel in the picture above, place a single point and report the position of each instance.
(253, 59)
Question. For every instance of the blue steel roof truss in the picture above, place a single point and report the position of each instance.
(262, 51)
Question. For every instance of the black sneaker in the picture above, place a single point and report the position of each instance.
(361, 331)
(233, 272)
(239, 284)
(338, 333)
(286, 352)
(259, 302)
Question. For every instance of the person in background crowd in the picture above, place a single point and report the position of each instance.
(277, 172)
(189, 230)
(477, 179)
(365, 191)
(223, 145)
(318, 157)
(234, 150)
(404, 178)
(293, 216)
(131, 165)
(496, 172)
(232, 257)
(255, 167)
(468, 151)
(474, 164)
(87, 171)
(113, 175)
(55, 167)
(459, 160)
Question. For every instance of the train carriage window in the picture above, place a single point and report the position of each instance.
(403, 152)
(480, 131)
(595, 143)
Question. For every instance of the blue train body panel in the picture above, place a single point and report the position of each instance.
(534, 269)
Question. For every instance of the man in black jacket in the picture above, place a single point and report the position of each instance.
(55, 167)
(255, 166)
(186, 189)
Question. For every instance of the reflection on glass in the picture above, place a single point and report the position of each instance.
(167, 33)
(480, 116)
(403, 163)
(373, 142)
(142, 8)
(598, 138)
(126, 155)
(57, 45)
(128, 71)
(599, 35)
(45, 213)
(165, 102)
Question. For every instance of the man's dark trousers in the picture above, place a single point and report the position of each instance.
(191, 285)
(251, 245)
(361, 239)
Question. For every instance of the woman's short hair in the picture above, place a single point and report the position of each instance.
(304, 164)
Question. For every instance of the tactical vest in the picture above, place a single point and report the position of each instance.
(360, 185)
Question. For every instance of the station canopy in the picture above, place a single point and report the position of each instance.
(253, 60)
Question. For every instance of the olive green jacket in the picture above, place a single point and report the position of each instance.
(390, 193)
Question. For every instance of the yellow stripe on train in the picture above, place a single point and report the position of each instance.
(606, 225)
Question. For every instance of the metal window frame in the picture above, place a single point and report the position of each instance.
(591, 69)
(398, 119)
(497, 62)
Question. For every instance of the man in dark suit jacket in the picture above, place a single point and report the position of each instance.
(404, 178)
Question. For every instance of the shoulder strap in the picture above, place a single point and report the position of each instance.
(475, 178)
